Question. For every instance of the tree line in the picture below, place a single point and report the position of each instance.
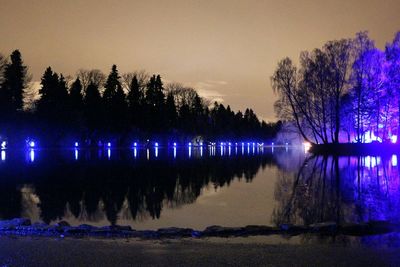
(93, 106)
(346, 91)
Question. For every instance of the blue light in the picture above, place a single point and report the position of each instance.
(174, 144)
(3, 145)
(32, 155)
(156, 144)
(76, 144)
(190, 144)
(135, 144)
(108, 144)
(394, 160)
(31, 144)
(229, 143)
(201, 144)
(272, 144)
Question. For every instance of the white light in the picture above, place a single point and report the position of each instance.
(3, 155)
(109, 144)
(394, 160)
(307, 146)
(174, 144)
(32, 144)
(229, 143)
(76, 144)
(201, 144)
(190, 144)
(156, 144)
(3, 145)
(32, 155)
(135, 144)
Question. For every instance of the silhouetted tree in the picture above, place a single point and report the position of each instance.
(114, 102)
(93, 109)
(14, 81)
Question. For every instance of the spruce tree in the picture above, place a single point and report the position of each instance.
(15, 79)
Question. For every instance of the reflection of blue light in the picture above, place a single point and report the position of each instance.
(3, 155)
(76, 144)
(174, 152)
(32, 155)
(190, 151)
(3, 145)
(229, 150)
(394, 160)
(156, 151)
(109, 153)
(76, 154)
(148, 154)
(31, 144)
(135, 152)
(272, 144)
(201, 151)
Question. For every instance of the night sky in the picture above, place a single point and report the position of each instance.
(226, 49)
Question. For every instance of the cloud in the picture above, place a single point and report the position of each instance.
(208, 90)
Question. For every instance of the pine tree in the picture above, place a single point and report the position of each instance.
(14, 82)
(114, 102)
(135, 103)
(93, 108)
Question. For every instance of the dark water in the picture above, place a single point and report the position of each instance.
(195, 188)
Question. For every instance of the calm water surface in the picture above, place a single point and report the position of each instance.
(196, 188)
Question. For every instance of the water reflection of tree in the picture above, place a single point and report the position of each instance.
(339, 189)
(128, 189)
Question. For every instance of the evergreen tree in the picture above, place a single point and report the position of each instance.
(14, 82)
(75, 95)
(170, 111)
(48, 93)
(114, 102)
(93, 108)
(135, 102)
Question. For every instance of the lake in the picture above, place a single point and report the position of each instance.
(197, 187)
